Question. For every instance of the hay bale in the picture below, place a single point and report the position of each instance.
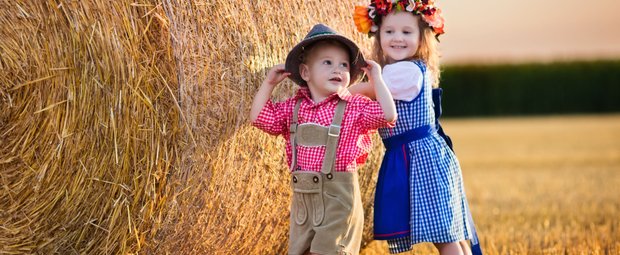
(124, 125)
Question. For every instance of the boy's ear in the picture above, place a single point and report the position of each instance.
(304, 72)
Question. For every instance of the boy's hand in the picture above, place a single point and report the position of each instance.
(373, 70)
(276, 75)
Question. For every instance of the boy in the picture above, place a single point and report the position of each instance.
(327, 132)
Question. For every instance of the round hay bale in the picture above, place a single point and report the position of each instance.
(124, 125)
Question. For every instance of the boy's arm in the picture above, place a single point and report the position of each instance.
(274, 76)
(384, 97)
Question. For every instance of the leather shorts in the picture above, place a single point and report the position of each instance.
(326, 213)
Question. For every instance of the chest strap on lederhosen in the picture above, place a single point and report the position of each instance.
(331, 142)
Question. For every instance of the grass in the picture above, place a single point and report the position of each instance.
(539, 185)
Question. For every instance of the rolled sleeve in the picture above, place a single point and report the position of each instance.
(372, 116)
(273, 118)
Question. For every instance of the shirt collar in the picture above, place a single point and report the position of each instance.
(342, 94)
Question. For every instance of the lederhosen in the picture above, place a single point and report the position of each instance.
(326, 211)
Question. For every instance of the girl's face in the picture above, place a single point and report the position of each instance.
(400, 36)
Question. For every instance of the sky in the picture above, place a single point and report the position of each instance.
(509, 31)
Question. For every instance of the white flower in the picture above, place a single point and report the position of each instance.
(411, 6)
(374, 28)
(371, 12)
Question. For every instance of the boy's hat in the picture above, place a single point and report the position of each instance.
(318, 33)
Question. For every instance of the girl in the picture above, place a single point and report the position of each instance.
(420, 195)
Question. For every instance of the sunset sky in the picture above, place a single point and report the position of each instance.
(528, 30)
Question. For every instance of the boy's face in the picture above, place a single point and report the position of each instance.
(326, 70)
(400, 36)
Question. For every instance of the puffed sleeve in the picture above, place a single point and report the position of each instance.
(404, 80)
(273, 117)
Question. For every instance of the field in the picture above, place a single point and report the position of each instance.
(539, 185)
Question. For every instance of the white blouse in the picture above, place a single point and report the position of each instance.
(404, 80)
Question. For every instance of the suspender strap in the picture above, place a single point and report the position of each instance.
(333, 136)
(293, 131)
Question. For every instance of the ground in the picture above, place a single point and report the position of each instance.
(539, 185)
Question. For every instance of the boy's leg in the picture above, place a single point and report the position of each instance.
(299, 239)
(341, 229)
(300, 235)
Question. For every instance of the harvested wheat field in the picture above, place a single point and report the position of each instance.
(539, 185)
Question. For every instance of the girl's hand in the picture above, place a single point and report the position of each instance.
(276, 75)
(373, 70)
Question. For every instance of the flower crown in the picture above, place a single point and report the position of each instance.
(368, 18)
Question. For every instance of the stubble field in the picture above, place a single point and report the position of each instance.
(539, 185)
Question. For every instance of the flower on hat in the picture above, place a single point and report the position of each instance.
(367, 18)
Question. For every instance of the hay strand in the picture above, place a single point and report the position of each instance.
(124, 125)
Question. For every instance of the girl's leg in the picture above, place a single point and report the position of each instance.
(465, 246)
(453, 248)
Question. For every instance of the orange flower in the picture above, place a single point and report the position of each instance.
(361, 19)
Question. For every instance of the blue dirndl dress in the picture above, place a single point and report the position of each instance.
(420, 195)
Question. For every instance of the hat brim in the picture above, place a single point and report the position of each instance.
(293, 60)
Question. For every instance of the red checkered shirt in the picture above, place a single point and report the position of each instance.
(361, 117)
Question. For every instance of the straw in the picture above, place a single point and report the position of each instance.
(124, 125)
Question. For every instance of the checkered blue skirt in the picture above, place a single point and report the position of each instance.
(438, 206)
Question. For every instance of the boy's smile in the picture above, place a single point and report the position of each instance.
(336, 79)
(327, 70)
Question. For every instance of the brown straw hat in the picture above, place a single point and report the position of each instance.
(318, 33)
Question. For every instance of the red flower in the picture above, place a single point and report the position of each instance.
(383, 7)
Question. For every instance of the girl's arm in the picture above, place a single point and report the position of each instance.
(274, 77)
(363, 88)
(384, 97)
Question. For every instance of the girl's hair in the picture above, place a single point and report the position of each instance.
(427, 50)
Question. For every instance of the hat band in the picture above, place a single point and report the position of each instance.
(315, 35)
